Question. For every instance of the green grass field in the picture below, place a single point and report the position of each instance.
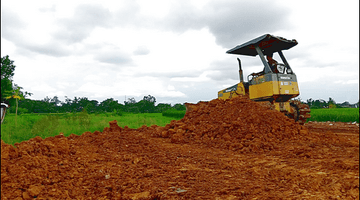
(335, 115)
(26, 126)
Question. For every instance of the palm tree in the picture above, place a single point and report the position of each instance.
(17, 95)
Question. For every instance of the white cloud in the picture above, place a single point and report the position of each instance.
(9, 46)
(141, 50)
(201, 78)
(170, 87)
(42, 87)
(92, 78)
(64, 85)
(91, 88)
(347, 82)
(176, 51)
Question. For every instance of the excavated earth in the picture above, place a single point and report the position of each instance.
(233, 149)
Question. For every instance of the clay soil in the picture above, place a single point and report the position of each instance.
(234, 149)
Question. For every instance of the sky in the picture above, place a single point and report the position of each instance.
(175, 50)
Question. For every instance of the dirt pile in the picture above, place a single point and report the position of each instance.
(235, 149)
(238, 124)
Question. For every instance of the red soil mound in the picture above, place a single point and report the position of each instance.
(234, 149)
(238, 124)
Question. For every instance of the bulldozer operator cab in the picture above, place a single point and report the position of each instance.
(276, 82)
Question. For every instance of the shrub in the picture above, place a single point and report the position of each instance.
(174, 113)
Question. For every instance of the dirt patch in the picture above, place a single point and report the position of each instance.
(234, 149)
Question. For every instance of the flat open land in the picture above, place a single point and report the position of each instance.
(234, 149)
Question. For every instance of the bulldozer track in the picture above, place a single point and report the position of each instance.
(303, 111)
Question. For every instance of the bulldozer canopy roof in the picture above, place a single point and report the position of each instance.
(268, 43)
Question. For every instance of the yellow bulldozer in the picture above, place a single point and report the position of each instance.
(276, 83)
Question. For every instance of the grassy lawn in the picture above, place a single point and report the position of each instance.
(335, 114)
(26, 126)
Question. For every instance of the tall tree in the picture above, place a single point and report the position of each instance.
(55, 100)
(109, 105)
(7, 89)
(179, 106)
(7, 68)
(17, 95)
(66, 106)
(161, 107)
(7, 73)
(331, 103)
(149, 98)
(130, 101)
(147, 105)
(131, 105)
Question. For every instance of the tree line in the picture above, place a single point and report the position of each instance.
(13, 94)
(320, 103)
(146, 105)
(78, 104)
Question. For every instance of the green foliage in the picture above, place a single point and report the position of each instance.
(161, 107)
(12, 109)
(7, 68)
(109, 105)
(16, 129)
(45, 126)
(48, 125)
(336, 114)
(16, 94)
(7, 72)
(7, 90)
(179, 106)
(116, 113)
(6, 87)
(84, 119)
(174, 113)
(146, 105)
(320, 103)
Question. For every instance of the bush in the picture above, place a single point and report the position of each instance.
(117, 112)
(20, 111)
(174, 113)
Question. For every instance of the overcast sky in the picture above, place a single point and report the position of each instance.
(175, 50)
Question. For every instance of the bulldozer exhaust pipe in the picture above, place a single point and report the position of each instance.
(240, 71)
